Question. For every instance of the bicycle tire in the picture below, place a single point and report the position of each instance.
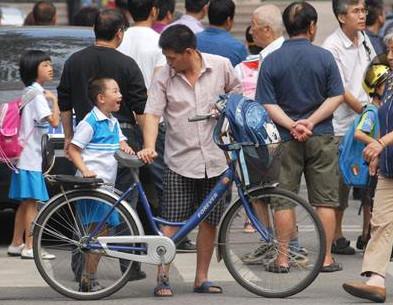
(59, 229)
(254, 276)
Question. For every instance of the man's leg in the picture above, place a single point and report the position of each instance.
(340, 244)
(328, 219)
(205, 247)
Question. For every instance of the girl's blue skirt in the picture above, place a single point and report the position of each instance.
(28, 185)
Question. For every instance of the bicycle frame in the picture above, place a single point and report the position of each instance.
(211, 200)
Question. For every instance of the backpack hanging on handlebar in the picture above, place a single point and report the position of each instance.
(251, 124)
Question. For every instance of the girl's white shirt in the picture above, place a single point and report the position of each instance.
(33, 126)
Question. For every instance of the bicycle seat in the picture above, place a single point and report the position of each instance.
(74, 180)
(127, 160)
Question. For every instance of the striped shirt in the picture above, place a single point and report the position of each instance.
(99, 138)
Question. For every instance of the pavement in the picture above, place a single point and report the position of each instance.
(20, 282)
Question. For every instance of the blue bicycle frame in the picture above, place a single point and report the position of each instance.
(208, 204)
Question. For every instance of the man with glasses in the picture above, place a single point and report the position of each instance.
(352, 51)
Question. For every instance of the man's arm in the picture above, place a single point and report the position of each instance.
(353, 102)
(66, 120)
(150, 132)
(299, 132)
(323, 112)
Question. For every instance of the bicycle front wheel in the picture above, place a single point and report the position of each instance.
(297, 239)
(60, 238)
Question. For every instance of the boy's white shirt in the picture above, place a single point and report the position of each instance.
(33, 126)
(102, 162)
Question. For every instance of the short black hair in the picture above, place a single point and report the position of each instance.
(195, 6)
(165, 6)
(86, 16)
(96, 86)
(178, 38)
(44, 13)
(298, 16)
(220, 10)
(28, 65)
(375, 9)
(140, 9)
(108, 22)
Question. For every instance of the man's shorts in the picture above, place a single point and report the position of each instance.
(317, 159)
(182, 196)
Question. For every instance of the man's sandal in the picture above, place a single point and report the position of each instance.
(208, 287)
(163, 288)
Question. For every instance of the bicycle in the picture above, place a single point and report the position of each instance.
(68, 225)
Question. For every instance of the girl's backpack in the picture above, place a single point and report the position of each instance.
(251, 124)
(353, 167)
(10, 119)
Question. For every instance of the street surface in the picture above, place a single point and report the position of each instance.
(20, 282)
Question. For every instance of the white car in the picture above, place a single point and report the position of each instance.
(11, 16)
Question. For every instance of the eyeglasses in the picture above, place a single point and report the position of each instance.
(359, 11)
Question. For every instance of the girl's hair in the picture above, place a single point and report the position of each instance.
(28, 65)
(96, 86)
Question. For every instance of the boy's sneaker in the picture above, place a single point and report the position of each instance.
(342, 246)
(15, 251)
(27, 253)
(260, 255)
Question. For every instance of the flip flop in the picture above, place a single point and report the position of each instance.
(333, 267)
(273, 267)
(163, 284)
(205, 287)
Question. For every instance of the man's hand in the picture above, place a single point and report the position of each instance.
(126, 148)
(67, 143)
(302, 130)
(372, 151)
(373, 166)
(147, 155)
(87, 173)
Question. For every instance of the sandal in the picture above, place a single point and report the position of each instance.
(333, 267)
(163, 285)
(208, 287)
(248, 228)
(273, 267)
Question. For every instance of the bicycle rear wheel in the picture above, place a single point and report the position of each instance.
(251, 260)
(61, 229)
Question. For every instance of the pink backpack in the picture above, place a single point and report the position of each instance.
(10, 119)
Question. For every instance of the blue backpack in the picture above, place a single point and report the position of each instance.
(250, 123)
(354, 169)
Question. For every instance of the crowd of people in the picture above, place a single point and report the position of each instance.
(140, 83)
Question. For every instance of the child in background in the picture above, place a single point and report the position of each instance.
(27, 183)
(366, 132)
(97, 137)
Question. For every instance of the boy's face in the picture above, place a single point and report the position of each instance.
(110, 100)
(45, 71)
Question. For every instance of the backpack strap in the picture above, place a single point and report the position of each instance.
(28, 96)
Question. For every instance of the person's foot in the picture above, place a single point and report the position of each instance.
(362, 290)
(332, 267)
(136, 273)
(342, 246)
(248, 228)
(27, 253)
(186, 246)
(261, 255)
(15, 250)
(163, 288)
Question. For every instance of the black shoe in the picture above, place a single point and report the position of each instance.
(186, 246)
(136, 273)
(342, 246)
